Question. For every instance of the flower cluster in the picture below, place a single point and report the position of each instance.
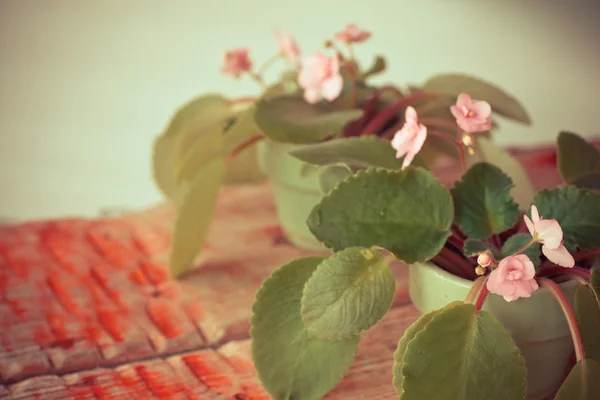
(385, 198)
(319, 74)
(471, 116)
(514, 276)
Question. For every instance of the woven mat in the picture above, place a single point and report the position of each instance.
(87, 310)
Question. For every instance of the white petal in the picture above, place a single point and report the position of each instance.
(535, 216)
(529, 224)
(559, 256)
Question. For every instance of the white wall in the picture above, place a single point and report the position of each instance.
(86, 84)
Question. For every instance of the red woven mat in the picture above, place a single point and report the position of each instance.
(87, 311)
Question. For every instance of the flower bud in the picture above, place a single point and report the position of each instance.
(479, 271)
(467, 139)
(484, 259)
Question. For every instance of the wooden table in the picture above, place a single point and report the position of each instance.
(87, 310)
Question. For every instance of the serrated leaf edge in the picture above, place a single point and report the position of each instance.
(495, 321)
(366, 172)
(435, 312)
(584, 193)
(260, 295)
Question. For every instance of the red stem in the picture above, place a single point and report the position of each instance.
(548, 271)
(243, 146)
(569, 315)
(582, 255)
(456, 241)
(475, 289)
(354, 86)
(375, 125)
(482, 296)
(461, 148)
(454, 263)
(496, 241)
(456, 258)
(444, 136)
(456, 231)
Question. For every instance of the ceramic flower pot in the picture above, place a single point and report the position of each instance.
(537, 324)
(295, 192)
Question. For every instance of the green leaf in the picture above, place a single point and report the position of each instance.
(209, 107)
(587, 311)
(379, 65)
(583, 382)
(407, 212)
(206, 148)
(241, 130)
(474, 247)
(163, 168)
(463, 354)
(348, 293)
(409, 335)
(356, 152)
(187, 125)
(501, 102)
(217, 141)
(590, 182)
(523, 191)
(517, 242)
(578, 213)
(576, 157)
(194, 216)
(290, 119)
(331, 175)
(291, 363)
(244, 168)
(482, 202)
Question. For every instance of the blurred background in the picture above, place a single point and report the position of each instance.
(85, 86)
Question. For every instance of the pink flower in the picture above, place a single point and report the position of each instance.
(352, 34)
(513, 278)
(471, 115)
(409, 140)
(549, 233)
(288, 46)
(236, 62)
(320, 77)
(484, 259)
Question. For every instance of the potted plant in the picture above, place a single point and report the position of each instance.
(318, 98)
(508, 291)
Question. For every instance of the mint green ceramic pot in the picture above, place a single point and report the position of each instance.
(537, 324)
(295, 195)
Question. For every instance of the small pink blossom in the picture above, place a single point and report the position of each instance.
(352, 34)
(320, 78)
(288, 46)
(472, 115)
(549, 233)
(484, 259)
(513, 278)
(236, 62)
(409, 140)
